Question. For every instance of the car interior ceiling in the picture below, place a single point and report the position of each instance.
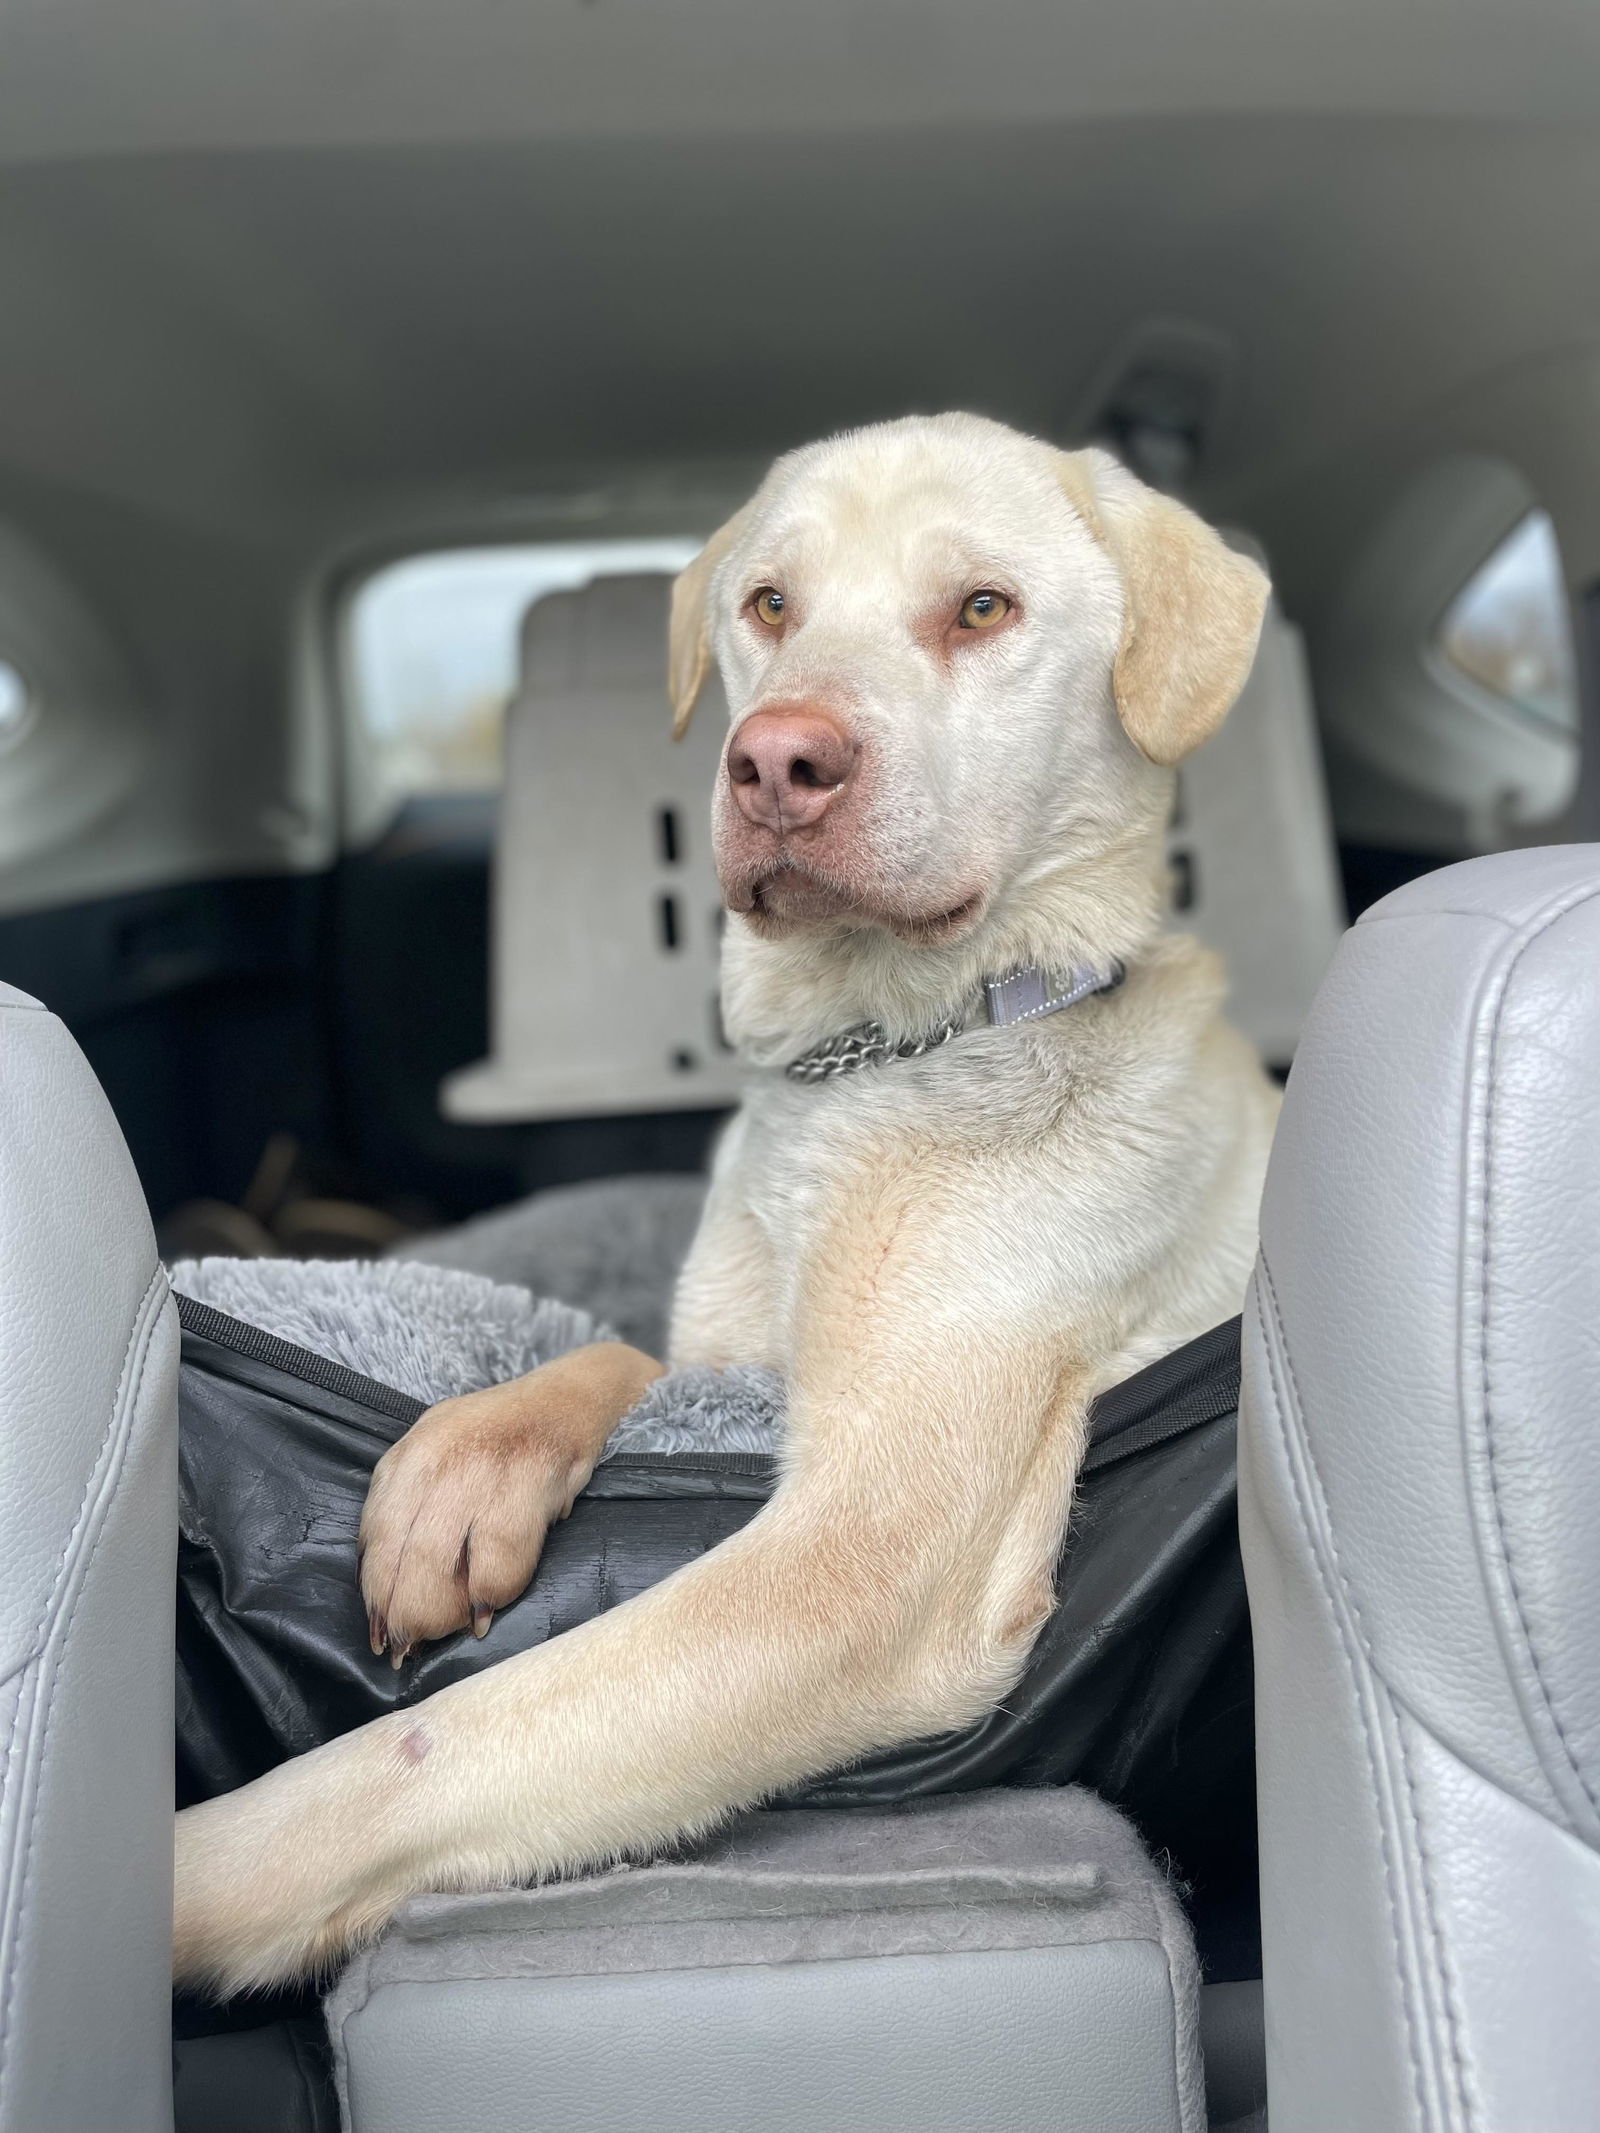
(256, 345)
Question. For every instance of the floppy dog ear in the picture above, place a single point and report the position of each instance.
(689, 630)
(1192, 607)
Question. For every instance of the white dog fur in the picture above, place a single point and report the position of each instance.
(946, 1257)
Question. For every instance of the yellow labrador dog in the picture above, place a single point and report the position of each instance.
(998, 1149)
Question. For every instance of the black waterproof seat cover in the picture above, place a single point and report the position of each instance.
(1139, 1685)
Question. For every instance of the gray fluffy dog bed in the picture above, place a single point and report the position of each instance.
(434, 1331)
(614, 1246)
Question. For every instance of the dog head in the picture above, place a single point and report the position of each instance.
(953, 657)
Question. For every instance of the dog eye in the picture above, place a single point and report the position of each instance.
(768, 604)
(982, 610)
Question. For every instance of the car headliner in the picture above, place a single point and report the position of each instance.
(277, 268)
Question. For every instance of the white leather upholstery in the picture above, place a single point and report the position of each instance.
(1420, 1485)
(88, 1534)
(606, 926)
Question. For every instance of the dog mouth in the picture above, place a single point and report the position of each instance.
(786, 899)
(943, 926)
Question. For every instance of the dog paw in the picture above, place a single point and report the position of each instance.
(456, 1515)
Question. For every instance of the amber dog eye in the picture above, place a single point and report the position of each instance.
(768, 604)
(982, 610)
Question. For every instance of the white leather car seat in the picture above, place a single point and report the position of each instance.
(1420, 1510)
(88, 1535)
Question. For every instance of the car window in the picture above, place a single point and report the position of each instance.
(16, 705)
(431, 652)
(1508, 629)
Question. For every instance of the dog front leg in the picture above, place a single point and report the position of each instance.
(892, 1588)
(831, 1625)
(777, 1655)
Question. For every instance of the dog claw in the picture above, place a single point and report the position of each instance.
(482, 1616)
(398, 1656)
(377, 1635)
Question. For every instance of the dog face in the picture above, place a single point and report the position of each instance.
(952, 656)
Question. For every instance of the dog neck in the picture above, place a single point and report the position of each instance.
(780, 997)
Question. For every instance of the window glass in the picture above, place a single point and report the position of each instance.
(1508, 628)
(433, 651)
(16, 706)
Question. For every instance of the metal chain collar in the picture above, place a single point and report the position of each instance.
(1023, 996)
(865, 1045)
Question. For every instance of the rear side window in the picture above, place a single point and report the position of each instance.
(1447, 673)
(431, 653)
(1507, 631)
(16, 706)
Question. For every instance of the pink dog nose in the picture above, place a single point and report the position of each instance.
(786, 766)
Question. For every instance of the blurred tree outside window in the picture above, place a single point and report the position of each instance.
(432, 651)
